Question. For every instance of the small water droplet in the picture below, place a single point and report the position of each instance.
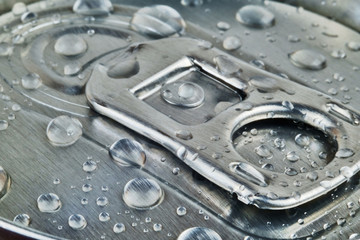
(176, 171)
(339, 54)
(291, 172)
(346, 172)
(77, 222)
(288, 105)
(279, 143)
(87, 187)
(28, 17)
(92, 8)
(3, 125)
(5, 49)
(231, 43)
(19, 8)
(16, 107)
(263, 151)
(255, 16)
(157, 227)
(127, 152)
(48, 202)
(158, 21)
(119, 228)
(142, 193)
(265, 84)
(31, 81)
(199, 233)
(223, 26)
(308, 59)
(292, 156)
(293, 39)
(104, 217)
(22, 219)
(353, 46)
(70, 45)
(181, 211)
(102, 201)
(312, 176)
(63, 131)
(191, 3)
(89, 166)
(302, 140)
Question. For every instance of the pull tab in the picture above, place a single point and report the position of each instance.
(269, 140)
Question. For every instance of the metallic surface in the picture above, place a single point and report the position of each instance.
(33, 163)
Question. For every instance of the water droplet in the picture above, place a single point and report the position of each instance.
(22, 219)
(302, 140)
(176, 171)
(279, 143)
(354, 236)
(312, 176)
(308, 59)
(157, 227)
(84, 201)
(224, 26)
(344, 153)
(119, 228)
(263, 151)
(19, 8)
(16, 107)
(71, 69)
(353, 46)
(258, 63)
(341, 221)
(28, 17)
(199, 233)
(231, 43)
(102, 201)
(255, 16)
(56, 181)
(104, 217)
(124, 69)
(49, 202)
(268, 166)
(226, 66)
(127, 152)
(63, 131)
(184, 94)
(181, 211)
(77, 222)
(89, 166)
(290, 172)
(346, 172)
(5, 49)
(293, 39)
(339, 54)
(292, 156)
(3, 125)
(92, 8)
(288, 105)
(158, 21)
(31, 81)
(70, 45)
(191, 3)
(265, 84)
(87, 187)
(142, 193)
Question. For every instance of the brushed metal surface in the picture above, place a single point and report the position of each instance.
(33, 163)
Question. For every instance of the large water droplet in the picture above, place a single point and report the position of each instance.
(226, 66)
(104, 217)
(354, 236)
(64, 131)
(48, 202)
(102, 201)
(142, 193)
(70, 45)
(308, 59)
(199, 233)
(77, 222)
(124, 69)
(231, 43)
(185, 94)
(31, 81)
(127, 152)
(91, 7)
(89, 166)
(158, 21)
(119, 228)
(344, 153)
(22, 219)
(255, 16)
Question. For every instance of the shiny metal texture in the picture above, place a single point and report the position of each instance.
(138, 120)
